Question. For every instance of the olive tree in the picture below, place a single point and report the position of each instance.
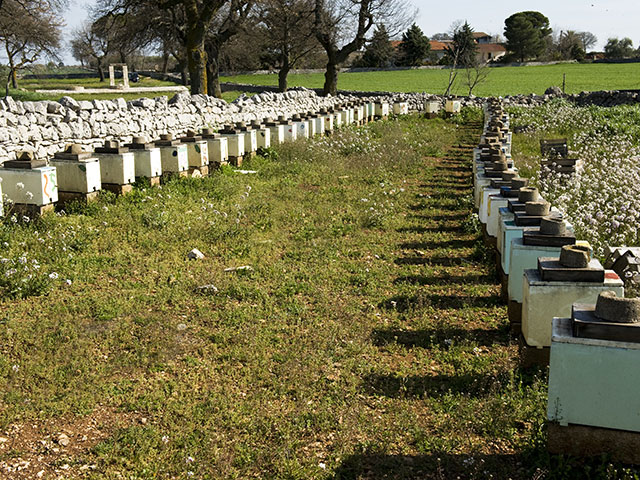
(341, 27)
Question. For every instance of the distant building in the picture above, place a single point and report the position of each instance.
(482, 38)
(488, 49)
(490, 52)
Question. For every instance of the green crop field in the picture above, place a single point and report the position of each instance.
(501, 81)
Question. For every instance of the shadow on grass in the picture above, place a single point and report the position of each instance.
(441, 337)
(438, 466)
(404, 303)
(443, 261)
(446, 280)
(417, 229)
(440, 244)
(468, 384)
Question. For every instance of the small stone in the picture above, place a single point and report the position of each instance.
(143, 420)
(207, 289)
(195, 254)
(243, 268)
(182, 326)
(63, 440)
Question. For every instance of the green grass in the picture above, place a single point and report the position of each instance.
(501, 81)
(27, 89)
(368, 341)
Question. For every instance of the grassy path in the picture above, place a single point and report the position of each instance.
(367, 340)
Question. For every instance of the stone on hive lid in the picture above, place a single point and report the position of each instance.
(26, 161)
(112, 146)
(528, 194)
(575, 256)
(191, 136)
(242, 126)
(283, 121)
(140, 142)
(553, 226)
(73, 152)
(166, 140)
(228, 130)
(518, 183)
(552, 232)
(537, 209)
(296, 118)
(612, 318)
(509, 175)
(612, 308)
(209, 133)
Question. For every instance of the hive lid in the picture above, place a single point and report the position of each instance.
(166, 140)
(552, 270)
(611, 318)
(112, 146)
(140, 143)
(25, 161)
(74, 152)
(191, 137)
(209, 133)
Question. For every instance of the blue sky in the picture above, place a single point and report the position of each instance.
(604, 18)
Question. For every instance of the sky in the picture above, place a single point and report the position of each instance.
(604, 18)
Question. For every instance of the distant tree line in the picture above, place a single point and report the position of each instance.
(201, 38)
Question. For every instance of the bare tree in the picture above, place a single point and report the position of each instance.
(347, 22)
(28, 31)
(229, 22)
(475, 74)
(88, 43)
(289, 33)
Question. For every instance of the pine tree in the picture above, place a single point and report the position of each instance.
(463, 48)
(526, 34)
(379, 52)
(414, 47)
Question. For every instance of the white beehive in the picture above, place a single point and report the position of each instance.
(301, 127)
(117, 164)
(400, 108)
(263, 134)
(453, 106)
(26, 182)
(173, 154)
(77, 171)
(217, 147)
(146, 157)
(235, 141)
(197, 149)
(382, 109)
(276, 131)
(431, 106)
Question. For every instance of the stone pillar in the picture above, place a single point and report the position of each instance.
(125, 76)
(112, 76)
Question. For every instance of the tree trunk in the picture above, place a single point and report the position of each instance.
(331, 77)
(197, 61)
(14, 77)
(165, 62)
(101, 72)
(283, 73)
(213, 74)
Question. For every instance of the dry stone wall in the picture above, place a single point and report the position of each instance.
(46, 127)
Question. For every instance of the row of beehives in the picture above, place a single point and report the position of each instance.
(567, 310)
(32, 186)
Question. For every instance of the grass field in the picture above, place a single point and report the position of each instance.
(367, 341)
(501, 81)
